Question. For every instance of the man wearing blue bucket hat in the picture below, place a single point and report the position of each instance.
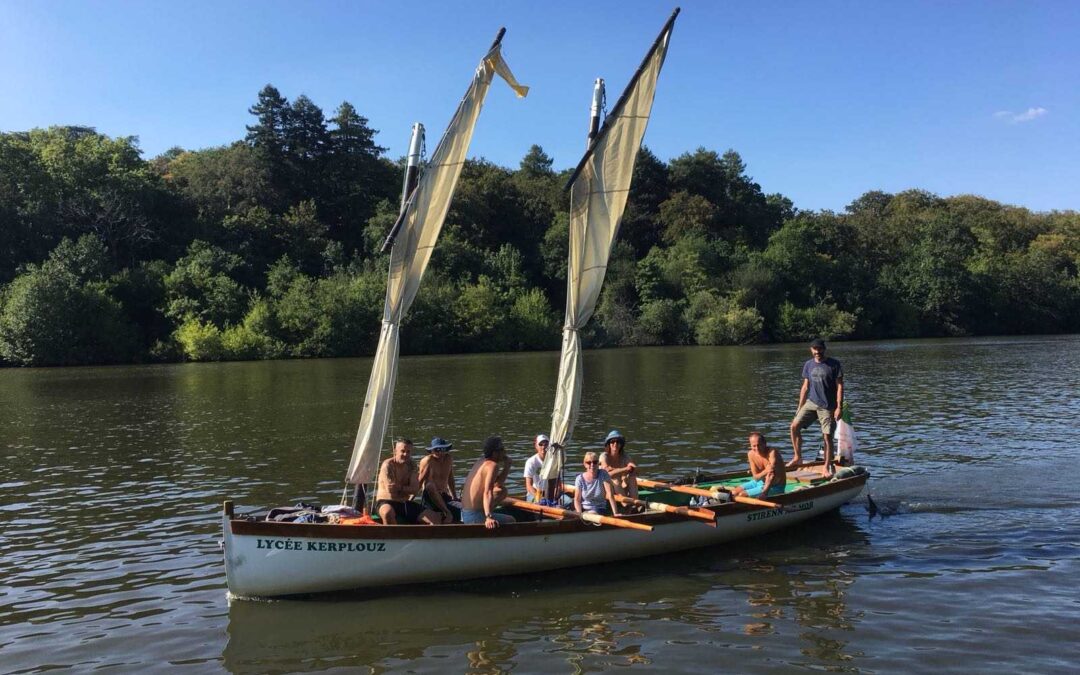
(437, 481)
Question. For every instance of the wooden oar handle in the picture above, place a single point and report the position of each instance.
(591, 517)
(706, 493)
(689, 511)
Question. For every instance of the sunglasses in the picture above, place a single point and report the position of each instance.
(543, 444)
(593, 462)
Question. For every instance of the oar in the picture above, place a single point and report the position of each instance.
(588, 517)
(714, 493)
(688, 511)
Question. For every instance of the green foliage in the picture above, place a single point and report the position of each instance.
(824, 320)
(200, 340)
(532, 323)
(60, 313)
(338, 315)
(270, 247)
(481, 316)
(721, 321)
(661, 322)
(201, 286)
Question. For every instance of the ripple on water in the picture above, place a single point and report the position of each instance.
(111, 556)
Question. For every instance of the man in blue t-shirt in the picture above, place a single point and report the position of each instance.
(821, 396)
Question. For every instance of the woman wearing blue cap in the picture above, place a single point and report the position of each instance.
(618, 465)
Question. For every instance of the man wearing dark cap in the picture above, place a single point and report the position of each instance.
(437, 481)
(821, 396)
(482, 492)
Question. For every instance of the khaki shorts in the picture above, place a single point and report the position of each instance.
(806, 415)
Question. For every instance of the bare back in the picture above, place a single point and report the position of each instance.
(481, 477)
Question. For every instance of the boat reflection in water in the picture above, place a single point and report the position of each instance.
(795, 584)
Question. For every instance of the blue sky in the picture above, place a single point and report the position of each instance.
(823, 100)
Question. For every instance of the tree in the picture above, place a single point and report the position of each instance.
(536, 163)
(356, 178)
(201, 286)
(60, 313)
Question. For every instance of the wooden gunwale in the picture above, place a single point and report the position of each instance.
(519, 529)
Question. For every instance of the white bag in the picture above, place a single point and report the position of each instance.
(846, 443)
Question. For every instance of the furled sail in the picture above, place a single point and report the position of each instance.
(599, 189)
(416, 232)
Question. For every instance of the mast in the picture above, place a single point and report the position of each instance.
(411, 242)
(598, 96)
(408, 184)
(412, 165)
(599, 188)
(554, 486)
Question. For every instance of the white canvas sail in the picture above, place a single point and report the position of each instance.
(598, 193)
(420, 224)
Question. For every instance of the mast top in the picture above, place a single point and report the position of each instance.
(622, 99)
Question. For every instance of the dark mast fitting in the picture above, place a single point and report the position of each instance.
(598, 96)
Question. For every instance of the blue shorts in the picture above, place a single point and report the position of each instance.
(753, 488)
(471, 517)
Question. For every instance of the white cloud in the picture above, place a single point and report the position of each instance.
(1017, 118)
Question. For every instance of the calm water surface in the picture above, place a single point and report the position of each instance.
(112, 481)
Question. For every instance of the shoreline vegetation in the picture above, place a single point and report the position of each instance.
(268, 248)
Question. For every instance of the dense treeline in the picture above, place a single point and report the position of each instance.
(268, 248)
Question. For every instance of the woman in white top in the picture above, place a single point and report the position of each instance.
(593, 491)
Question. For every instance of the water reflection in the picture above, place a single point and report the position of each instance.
(624, 614)
(112, 483)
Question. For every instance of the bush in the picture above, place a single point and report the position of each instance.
(200, 340)
(532, 323)
(481, 317)
(62, 314)
(721, 321)
(661, 322)
(824, 320)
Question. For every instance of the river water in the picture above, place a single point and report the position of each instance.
(112, 481)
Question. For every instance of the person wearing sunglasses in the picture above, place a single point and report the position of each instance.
(535, 486)
(437, 479)
(593, 489)
(618, 465)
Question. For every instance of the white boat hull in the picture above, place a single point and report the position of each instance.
(266, 559)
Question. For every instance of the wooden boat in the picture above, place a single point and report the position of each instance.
(267, 558)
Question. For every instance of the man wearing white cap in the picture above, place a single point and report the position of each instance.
(535, 486)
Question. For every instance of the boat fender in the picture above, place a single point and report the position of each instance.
(848, 472)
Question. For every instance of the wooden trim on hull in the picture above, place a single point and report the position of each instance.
(520, 529)
(269, 559)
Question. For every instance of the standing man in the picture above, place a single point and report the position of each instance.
(535, 486)
(481, 492)
(821, 396)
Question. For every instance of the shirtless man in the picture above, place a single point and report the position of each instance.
(766, 469)
(437, 479)
(397, 483)
(481, 492)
